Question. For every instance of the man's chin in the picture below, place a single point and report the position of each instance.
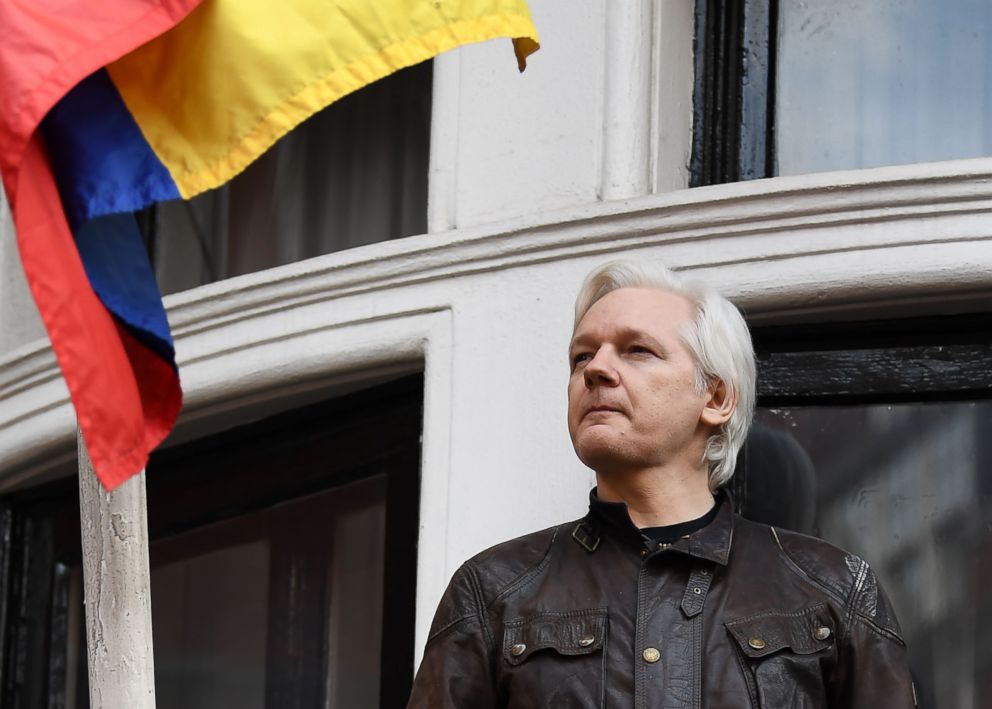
(603, 452)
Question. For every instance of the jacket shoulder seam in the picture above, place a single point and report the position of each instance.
(449, 627)
(885, 632)
(479, 605)
(814, 580)
(527, 575)
(847, 598)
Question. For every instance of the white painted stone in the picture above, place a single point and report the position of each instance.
(627, 95)
(519, 164)
(19, 319)
(509, 144)
(672, 83)
(603, 112)
(117, 591)
(487, 312)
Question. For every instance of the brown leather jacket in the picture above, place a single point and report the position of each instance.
(591, 614)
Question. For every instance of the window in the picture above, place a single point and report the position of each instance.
(878, 438)
(786, 87)
(283, 565)
(353, 174)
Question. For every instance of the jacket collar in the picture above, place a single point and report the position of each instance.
(712, 542)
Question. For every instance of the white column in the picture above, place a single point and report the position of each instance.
(19, 319)
(117, 590)
(628, 90)
(445, 114)
(672, 84)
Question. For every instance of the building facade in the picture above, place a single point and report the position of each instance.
(359, 422)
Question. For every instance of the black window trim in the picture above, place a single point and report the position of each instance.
(921, 359)
(734, 91)
(367, 433)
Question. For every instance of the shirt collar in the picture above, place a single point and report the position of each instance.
(712, 542)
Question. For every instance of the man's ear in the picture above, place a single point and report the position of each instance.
(720, 404)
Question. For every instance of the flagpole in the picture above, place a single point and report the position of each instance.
(117, 590)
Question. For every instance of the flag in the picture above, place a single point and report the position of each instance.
(112, 106)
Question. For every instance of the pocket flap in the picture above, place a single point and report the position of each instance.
(567, 633)
(804, 632)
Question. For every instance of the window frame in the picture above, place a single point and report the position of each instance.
(912, 360)
(733, 128)
(370, 432)
(923, 359)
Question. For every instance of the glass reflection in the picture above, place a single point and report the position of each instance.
(887, 82)
(210, 646)
(907, 487)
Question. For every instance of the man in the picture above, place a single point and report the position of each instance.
(661, 596)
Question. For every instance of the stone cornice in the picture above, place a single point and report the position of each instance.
(777, 246)
(798, 216)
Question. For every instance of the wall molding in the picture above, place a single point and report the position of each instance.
(783, 248)
(878, 202)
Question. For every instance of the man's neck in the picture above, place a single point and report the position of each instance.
(658, 498)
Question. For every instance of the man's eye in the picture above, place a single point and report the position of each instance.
(640, 350)
(580, 358)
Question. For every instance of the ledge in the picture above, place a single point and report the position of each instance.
(783, 248)
(876, 201)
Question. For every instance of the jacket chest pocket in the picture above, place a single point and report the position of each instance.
(785, 657)
(555, 659)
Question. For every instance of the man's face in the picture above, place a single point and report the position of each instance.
(632, 398)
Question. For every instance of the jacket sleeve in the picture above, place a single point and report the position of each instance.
(874, 670)
(457, 668)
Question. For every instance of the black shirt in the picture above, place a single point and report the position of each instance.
(670, 532)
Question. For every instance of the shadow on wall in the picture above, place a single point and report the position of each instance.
(779, 481)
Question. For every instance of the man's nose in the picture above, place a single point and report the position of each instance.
(601, 369)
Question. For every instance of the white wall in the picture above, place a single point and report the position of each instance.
(19, 319)
(517, 214)
(603, 112)
(505, 143)
(487, 311)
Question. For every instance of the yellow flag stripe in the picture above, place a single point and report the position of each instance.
(218, 90)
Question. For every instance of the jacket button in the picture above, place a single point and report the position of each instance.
(821, 633)
(651, 654)
(756, 643)
(518, 649)
(587, 640)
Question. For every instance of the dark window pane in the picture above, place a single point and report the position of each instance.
(353, 174)
(212, 590)
(906, 486)
(355, 577)
(208, 618)
(287, 579)
(886, 82)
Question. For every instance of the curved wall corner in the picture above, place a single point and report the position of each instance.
(486, 312)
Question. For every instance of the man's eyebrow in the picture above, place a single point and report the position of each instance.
(624, 333)
(641, 336)
(580, 339)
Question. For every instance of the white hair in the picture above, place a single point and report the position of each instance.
(718, 339)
